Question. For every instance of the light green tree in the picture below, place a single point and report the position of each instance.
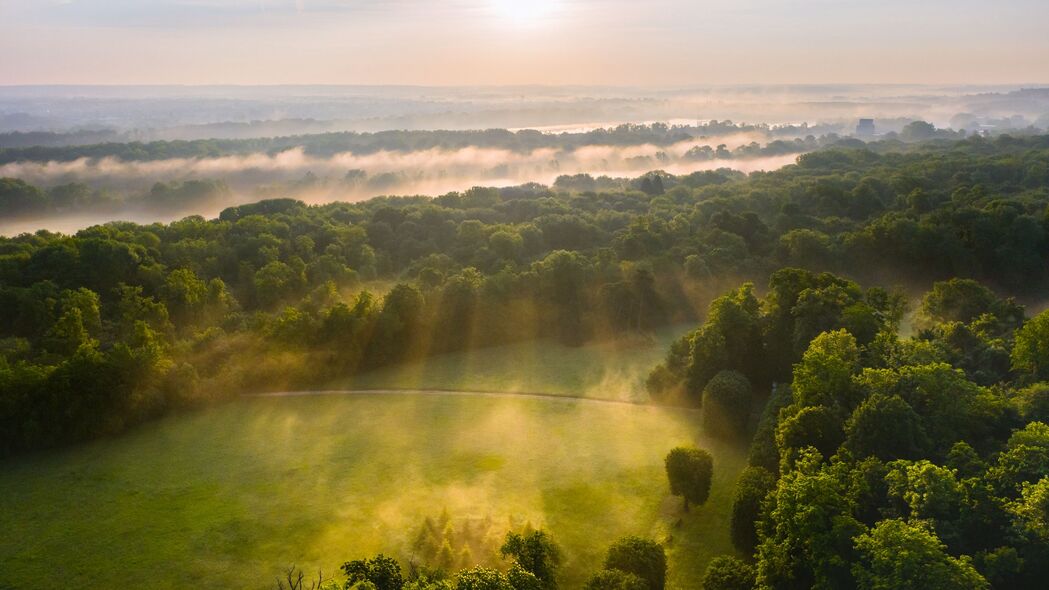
(897, 555)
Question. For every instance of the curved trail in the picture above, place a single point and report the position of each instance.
(463, 393)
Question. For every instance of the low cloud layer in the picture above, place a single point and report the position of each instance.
(454, 168)
(353, 177)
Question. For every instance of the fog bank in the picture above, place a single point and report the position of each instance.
(353, 177)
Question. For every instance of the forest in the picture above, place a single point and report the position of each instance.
(877, 461)
(862, 319)
(173, 178)
(184, 178)
(140, 317)
(322, 144)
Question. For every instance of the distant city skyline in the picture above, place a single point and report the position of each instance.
(499, 42)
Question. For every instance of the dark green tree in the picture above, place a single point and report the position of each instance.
(1034, 403)
(615, 580)
(384, 572)
(917, 131)
(640, 557)
(730, 339)
(690, 472)
(957, 300)
(536, 553)
(20, 198)
(753, 486)
(727, 404)
(887, 428)
(817, 426)
(729, 573)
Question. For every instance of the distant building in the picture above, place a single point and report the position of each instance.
(865, 128)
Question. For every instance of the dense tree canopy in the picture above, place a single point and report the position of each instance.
(887, 463)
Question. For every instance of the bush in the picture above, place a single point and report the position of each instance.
(729, 573)
(641, 557)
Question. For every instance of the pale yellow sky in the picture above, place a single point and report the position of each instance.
(654, 42)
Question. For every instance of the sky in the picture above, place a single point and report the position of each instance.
(502, 42)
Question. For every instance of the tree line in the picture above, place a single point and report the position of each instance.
(631, 563)
(14, 148)
(122, 322)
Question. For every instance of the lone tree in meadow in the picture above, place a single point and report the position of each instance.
(690, 471)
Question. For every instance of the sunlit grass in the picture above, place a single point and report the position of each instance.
(601, 370)
(227, 497)
(230, 496)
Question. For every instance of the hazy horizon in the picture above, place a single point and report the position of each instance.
(503, 42)
(524, 294)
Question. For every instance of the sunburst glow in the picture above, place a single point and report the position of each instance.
(524, 12)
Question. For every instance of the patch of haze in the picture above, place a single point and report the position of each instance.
(461, 164)
(201, 112)
(584, 127)
(425, 172)
(522, 460)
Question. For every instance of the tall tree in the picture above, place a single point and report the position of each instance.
(690, 471)
(536, 553)
(1031, 350)
(753, 486)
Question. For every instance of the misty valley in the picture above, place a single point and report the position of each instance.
(713, 355)
(73, 187)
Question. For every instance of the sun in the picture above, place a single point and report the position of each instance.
(524, 12)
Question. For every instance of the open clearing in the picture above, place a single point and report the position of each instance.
(227, 497)
(614, 370)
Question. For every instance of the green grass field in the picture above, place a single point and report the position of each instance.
(604, 370)
(227, 497)
(230, 496)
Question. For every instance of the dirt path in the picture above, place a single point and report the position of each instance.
(460, 393)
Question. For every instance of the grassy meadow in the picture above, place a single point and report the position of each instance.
(227, 497)
(605, 370)
(230, 496)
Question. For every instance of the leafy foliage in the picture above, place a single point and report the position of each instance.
(690, 471)
(363, 285)
(893, 466)
(729, 573)
(727, 403)
(640, 557)
(896, 555)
